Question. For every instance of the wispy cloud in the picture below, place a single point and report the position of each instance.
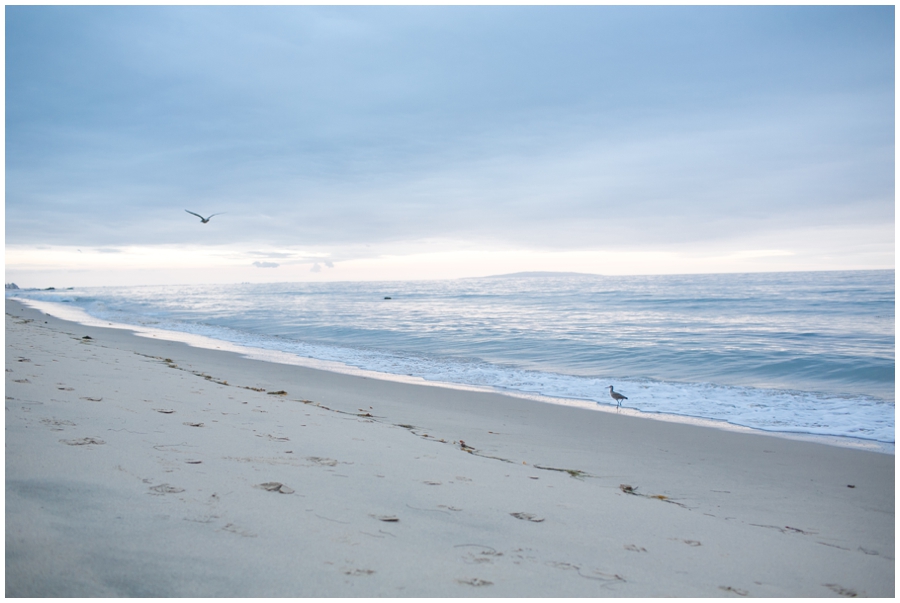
(271, 254)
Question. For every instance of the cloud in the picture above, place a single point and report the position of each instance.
(271, 254)
(316, 268)
(265, 264)
(541, 128)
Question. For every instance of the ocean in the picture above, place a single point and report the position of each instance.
(795, 353)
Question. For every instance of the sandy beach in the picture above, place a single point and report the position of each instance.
(142, 467)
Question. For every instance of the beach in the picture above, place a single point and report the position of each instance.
(143, 467)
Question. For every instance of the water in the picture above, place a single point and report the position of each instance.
(805, 353)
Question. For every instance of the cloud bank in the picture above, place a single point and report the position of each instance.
(359, 132)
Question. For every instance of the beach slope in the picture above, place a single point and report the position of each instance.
(142, 467)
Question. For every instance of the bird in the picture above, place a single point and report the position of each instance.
(202, 219)
(616, 396)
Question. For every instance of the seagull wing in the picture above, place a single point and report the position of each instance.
(218, 214)
(193, 214)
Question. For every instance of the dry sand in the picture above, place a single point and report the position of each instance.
(140, 467)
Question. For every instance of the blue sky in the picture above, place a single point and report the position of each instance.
(431, 142)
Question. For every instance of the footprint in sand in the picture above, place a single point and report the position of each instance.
(480, 554)
(475, 582)
(563, 565)
(57, 425)
(325, 462)
(359, 572)
(166, 489)
(83, 441)
(844, 592)
(274, 438)
(739, 592)
(275, 487)
(635, 548)
(595, 574)
(230, 527)
(527, 517)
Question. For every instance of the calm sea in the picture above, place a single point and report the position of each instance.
(788, 352)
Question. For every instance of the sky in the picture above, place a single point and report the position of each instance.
(383, 143)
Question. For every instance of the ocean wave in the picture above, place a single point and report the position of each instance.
(784, 358)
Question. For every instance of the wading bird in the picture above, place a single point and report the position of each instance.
(616, 396)
(202, 219)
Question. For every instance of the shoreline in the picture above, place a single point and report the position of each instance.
(143, 467)
(79, 316)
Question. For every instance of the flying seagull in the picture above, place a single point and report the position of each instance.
(616, 396)
(202, 219)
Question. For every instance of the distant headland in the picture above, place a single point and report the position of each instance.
(538, 274)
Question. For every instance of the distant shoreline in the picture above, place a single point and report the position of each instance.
(537, 274)
(509, 275)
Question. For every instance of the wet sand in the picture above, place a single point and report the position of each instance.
(141, 467)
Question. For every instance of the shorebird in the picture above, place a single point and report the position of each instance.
(202, 219)
(616, 396)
